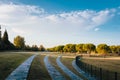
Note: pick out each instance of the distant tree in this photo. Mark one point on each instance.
(19, 42)
(34, 48)
(89, 47)
(118, 49)
(41, 48)
(5, 38)
(103, 48)
(69, 48)
(113, 49)
(79, 48)
(59, 48)
(50, 49)
(27, 47)
(5, 43)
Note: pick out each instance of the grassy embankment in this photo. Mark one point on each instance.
(10, 61)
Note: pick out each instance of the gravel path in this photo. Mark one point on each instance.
(55, 75)
(21, 72)
(82, 72)
(67, 71)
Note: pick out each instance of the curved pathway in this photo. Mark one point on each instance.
(82, 72)
(55, 75)
(67, 71)
(21, 72)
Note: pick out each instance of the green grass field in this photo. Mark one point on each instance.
(10, 61)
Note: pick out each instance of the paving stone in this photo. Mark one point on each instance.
(55, 74)
(67, 71)
(21, 72)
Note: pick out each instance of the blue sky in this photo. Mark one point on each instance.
(56, 22)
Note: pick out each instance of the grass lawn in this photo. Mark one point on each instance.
(38, 70)
(107, 64)
(10, 61)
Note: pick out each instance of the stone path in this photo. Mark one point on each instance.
(21, 72)
(67, 71)
(55, 75)
(82, 72)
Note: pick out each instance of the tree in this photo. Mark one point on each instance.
(103, 48)
(5, 38)
(41, 48)
(19, 42)
(118, 49)
(35, 48)
(59, 48)
(5, 43)
(79, 48)
(89, 47)
(70, 48)
(27, 47)
(113, 49)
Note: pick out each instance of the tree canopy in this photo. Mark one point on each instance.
(19, 42)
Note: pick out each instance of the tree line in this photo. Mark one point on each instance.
(5, 44)
(86, 48)
(19, 44)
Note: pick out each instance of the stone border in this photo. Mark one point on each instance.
(67, 71)
(21, 72)
(55, 74)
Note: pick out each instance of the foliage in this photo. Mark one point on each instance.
(34, 48)
(41, 48)
(59, 48)
(5, 37)
(69, 48)
(19, 42)
(5, 44)
(79, 48)
(103, 48)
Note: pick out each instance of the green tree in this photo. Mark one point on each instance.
(89, 47)
(118, 49)
(113, 49)
(79, 48)
(27, 47)
(41, 48)
(35, 48)
(59, 48)
(103, 48)
(5, 38)
(70, 48)
(19, 42)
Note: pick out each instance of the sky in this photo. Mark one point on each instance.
(60, 22)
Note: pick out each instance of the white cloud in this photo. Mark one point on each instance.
(96, 29)
(26, 19)
(33, 16)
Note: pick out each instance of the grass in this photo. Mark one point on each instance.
(68, 63)
(107, 64)
(10, 61)
(38, 70)
(52, 59)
